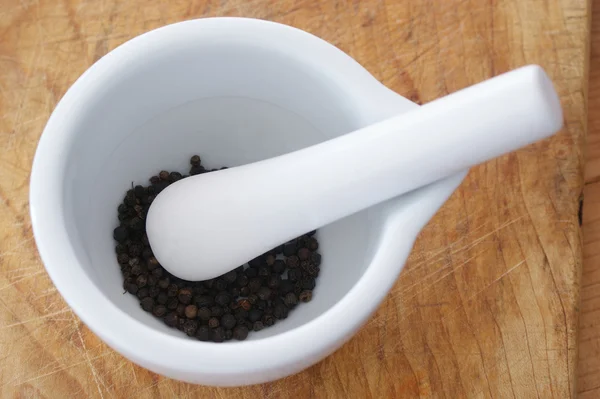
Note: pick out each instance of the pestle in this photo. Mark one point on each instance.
(206, 225)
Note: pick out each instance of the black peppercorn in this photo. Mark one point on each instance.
(222, 299)
(242, 280)
(171, 319)
(159, 310)
(292, 262)
(191, 311)
(234, 291)
(290, 300)
(241, 314)
(240, 333)
(270, 260)
(254, 315)
(263, 271)
(274, 282)
(164, 283)
(280, 311)
(315, 259)
(278, 266)
(254, 284)
(204, 301)
(153, 291)
(251, 272)
(185, 295)
(172, 290)
(228, 335)
(218, 334)
(294, 274)
(264, 293)
(220, 284)
(268, 320)
(190, 327)
(308, 283)
(228, 321)
(158, 272)
(147, 304)
(172, 303)
(303, 254)
(123, 259)
(162, 298)
(174, 176)
(132, 288)
(289, 249)
(204, 314)
(305, 296)
(286, 286)
(120, 234)
(230, 276)
(213, 322)
(141, 280)
(197, 170)
(195, 160)
(252, 298)
(216, 311)
(203, 333)
(258, 325)
(163, 175)
(180, 310)
(244, 291)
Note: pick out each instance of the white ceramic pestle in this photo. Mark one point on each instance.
(206, 225)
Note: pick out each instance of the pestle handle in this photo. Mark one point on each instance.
(206, 225)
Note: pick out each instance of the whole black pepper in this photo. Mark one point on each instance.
(228, 321)
(303, 253)
(254, 284)
(159, 310)
(240, 333)
(172, 303)
(147, 304)
(162, 298)
(230, 277)
(222, 299)
(258, 325)
(191, 311)
(264, 293)
(292, 262)
(305, 296)
(190, 327)
(204, 314)
(280, 311)
(294, 274)
(213, 322)
(278, 266)
(315, 259)
(185, 295)
(218, 334)
(217, 311)
(164, 283)
(242, 280)
(172, 290)
(254, 315)
(248, 298)
(290, 300)
(203, 333)
(171, 319)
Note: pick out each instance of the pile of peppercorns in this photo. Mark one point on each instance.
(252, 297)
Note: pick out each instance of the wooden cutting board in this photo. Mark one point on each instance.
(487, 305)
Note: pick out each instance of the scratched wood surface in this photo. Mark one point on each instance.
(487, 305)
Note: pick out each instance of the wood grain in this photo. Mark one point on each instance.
(588, 376)
(487, 305)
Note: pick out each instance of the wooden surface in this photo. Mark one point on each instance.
(487, 305)
(588, 381)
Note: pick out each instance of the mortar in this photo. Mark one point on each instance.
(234, 91)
